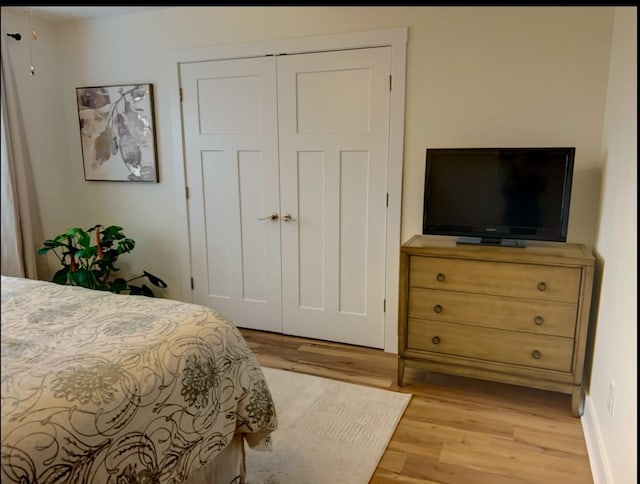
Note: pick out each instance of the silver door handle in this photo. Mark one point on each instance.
(287, 217)
(271, 216)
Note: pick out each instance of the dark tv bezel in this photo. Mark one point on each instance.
(547, 234)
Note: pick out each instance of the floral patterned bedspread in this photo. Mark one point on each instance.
(106, 388)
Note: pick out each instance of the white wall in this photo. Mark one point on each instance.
(616, 352)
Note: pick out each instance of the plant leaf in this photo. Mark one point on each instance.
(118, 285)
(51, 243)
(80, 277)
(84, 239)
(73, 231)
(126, 245)
(87, 253)
(156, 281)
(111, 231)
(61, 239)
(60, 277)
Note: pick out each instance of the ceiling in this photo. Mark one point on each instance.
(79, 13)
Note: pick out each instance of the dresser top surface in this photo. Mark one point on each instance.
(534, 251)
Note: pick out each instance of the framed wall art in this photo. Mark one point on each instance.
(117, 132)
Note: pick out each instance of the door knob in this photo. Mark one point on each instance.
(271, 216)
(287, 217)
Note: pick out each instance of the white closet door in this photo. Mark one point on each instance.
(230, 133)
(333, 116)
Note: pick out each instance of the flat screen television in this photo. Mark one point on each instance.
(498, 196)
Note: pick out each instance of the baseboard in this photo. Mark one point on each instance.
(598, 459)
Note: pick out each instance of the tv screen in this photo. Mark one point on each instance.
(498, 195)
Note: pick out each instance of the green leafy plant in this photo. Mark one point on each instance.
(93, 266)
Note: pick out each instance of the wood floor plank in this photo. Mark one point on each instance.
(432, 470)
(411, 441)
(495, 420)
(392, 461)
(455, 430)
(395, 478)
(514, 463)
(562, 439)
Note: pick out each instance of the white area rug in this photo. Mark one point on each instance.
(328, 431)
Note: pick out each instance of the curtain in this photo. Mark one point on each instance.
(22, 233)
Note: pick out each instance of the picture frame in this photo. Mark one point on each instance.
(117, 132)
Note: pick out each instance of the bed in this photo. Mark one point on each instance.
(106, 388)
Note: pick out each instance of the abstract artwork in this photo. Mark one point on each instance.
(117, 132)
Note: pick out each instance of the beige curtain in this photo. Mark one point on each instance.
(22, 232)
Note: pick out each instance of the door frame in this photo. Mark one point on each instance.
(396, 39)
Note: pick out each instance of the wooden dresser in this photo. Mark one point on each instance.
(514, 315)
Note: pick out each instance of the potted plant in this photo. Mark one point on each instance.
(93, 265)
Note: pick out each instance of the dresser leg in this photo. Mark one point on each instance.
(400, 371)
(577, 401)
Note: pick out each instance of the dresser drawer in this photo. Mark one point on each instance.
(530, 281)
(553, 318)
(527, 349)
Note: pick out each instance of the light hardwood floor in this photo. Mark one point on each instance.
(455, 430)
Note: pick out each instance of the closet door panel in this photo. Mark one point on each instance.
(333, 115)
(311, 290)
(230, 132)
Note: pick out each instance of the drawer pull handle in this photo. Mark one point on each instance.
(539, 320)
(536, 354)
(437, 308)
(435, 340)
(440, 276)
(542, 286)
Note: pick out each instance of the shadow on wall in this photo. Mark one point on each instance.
(585, 202)
(593, 318)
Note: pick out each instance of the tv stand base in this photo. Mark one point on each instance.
(490, 241)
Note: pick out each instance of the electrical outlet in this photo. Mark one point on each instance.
(612, 394)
